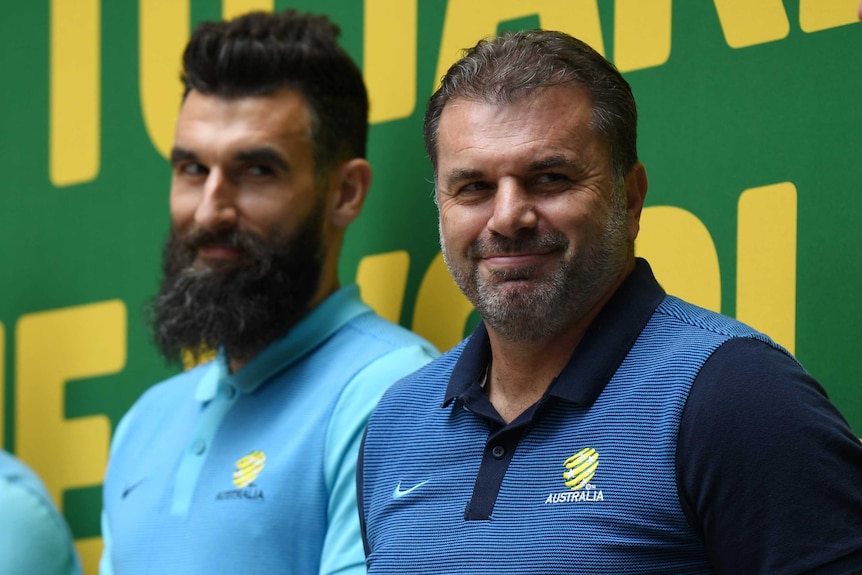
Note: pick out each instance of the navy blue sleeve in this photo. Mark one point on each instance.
(769, 472)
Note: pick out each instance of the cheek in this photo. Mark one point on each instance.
(275, 212)
(461, 225)
(448, 239)
(573, 218)
(182, 207)
(458, 233)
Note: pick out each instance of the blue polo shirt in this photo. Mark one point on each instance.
(674, 441)
(34, 539)
(254, 471)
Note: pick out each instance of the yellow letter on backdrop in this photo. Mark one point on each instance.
(52, 348)
(642, 32)
(383, 279)
(817, 15)
(441, 311)
(164, 31)
(233, 8)
(389, 58)
(75, 91)
(766, 261)
(682, 255)
(749, 22)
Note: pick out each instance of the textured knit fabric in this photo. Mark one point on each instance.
(34, 539)
(596, 478)
(254, 472)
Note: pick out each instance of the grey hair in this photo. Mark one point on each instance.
(509, 67)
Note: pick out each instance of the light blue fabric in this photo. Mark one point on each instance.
(254, 472)
(34, 539)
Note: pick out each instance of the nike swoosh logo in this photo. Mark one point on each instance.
(130, 487)
(398, 493)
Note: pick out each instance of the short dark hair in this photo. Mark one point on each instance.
(259, 53)
(506, 68)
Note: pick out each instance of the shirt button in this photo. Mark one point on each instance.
(230, 391)
(498, 452)
(199, 446)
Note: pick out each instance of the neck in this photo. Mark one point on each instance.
(234, 365)
(522, 371)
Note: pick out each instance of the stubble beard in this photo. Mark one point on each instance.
(240, 307)
(523, 307)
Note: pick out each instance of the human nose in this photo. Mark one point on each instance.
(513, 210)
(217, 207)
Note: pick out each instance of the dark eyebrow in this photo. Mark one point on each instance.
(263, 155)
(181, 155)
(556, 161)
(254, 155)
(461, 174)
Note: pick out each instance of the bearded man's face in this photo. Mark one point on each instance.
(244, 259)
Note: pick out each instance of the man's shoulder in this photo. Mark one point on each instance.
(691, 323)
(699, 318)
(372, 327)
(378, 354)
(428, 383)
(177, 386)
(13, 469)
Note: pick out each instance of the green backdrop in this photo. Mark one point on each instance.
(751, 131)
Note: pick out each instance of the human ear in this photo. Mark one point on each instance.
(636, 188)
(352, 180)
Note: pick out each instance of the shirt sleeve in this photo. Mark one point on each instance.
(33, 536)
(343, 552)
(106, 566)
(769, 472)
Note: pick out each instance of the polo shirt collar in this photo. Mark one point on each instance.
(323, 321)
(597, 357)
(468, 374)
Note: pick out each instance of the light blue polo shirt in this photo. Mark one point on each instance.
(254, 472)
(34, 539)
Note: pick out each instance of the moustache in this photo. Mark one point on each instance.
(183, 249)
(501, 245)
(233, 238)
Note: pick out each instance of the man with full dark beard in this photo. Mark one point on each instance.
(591, 424)
(246, 463)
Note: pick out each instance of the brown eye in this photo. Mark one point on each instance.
(550, 178)
(474, 187)
(193, 169)
(260, 171)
